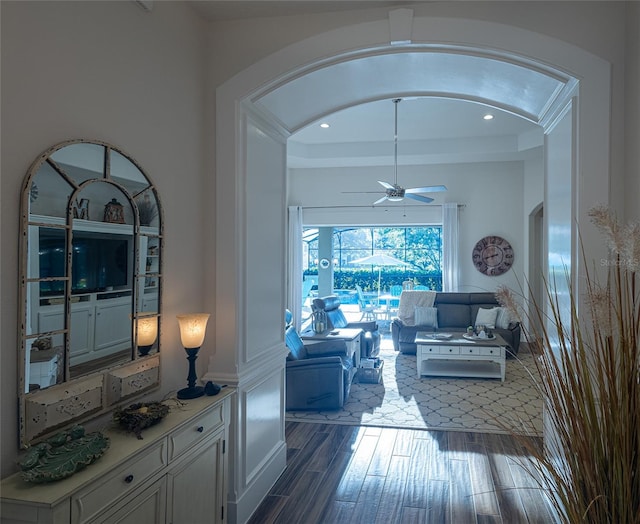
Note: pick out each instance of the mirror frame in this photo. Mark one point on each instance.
(77, 399)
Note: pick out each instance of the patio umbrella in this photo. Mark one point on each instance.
(380, 260)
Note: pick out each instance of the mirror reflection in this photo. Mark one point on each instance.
(91, 264)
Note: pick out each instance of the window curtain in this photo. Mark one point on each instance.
(294, 279)
(450, 247)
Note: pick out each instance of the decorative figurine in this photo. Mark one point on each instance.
(114, 212)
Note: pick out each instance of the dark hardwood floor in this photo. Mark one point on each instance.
(356, 474)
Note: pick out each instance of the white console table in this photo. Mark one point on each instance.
(177, 473)
(460, 357)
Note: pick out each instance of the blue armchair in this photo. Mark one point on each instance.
(318, 375)
(370, 343)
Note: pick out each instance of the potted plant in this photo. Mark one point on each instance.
(588, 373)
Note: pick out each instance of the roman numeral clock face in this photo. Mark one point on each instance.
(492, 256)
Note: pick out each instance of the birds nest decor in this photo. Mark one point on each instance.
(140, 416)
(588, 373)
(63, 455)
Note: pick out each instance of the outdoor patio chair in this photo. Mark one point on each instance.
(394, 304)
(369, 308)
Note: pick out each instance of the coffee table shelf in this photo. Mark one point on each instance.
(460, 357)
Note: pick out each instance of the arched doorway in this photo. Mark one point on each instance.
(259, 108)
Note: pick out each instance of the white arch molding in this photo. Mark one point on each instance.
(251, 186)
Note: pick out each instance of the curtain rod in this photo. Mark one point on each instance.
(377, 207)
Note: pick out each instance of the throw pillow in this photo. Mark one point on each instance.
(426, 316)
(487, 317)
(503, 319)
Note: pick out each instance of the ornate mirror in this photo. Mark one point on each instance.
(91, 283)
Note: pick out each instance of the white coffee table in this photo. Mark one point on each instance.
(457, 356)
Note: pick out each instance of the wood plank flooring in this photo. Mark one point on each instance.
(356, 474)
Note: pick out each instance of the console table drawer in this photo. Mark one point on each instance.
(195, 430)
(449, 350)
(495, 351)
(95, 499)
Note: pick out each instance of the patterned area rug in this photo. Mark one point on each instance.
(403, 400)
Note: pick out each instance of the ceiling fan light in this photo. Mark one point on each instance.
(395, 198)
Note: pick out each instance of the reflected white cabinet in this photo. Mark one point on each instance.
(177, 474)
(112, 325)
(100, 324)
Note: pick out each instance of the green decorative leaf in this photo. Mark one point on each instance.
(63, 455)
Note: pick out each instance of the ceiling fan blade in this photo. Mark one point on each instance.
(426, 189)
(386, 185)
(379, 201)
(419, 198)
(360, 192)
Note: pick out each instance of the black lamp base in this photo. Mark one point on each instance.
(191, 392)
(144, 350)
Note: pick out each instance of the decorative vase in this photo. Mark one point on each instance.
(319, 321)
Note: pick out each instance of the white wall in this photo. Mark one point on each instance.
(632, 114)
(108, 71)
(491, 195)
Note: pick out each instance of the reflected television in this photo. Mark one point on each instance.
(100, 262)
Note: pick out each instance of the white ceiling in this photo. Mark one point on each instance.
(445, 94)
(430, 131)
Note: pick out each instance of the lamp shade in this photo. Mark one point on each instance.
(147, 331)
(192, 329)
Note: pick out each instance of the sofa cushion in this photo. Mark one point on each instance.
(486, 317)
(426, 316)
(503, 319)
(451, 298)
(454, 316)
(410, 300)
(483, 299)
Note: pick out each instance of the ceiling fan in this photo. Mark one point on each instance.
(394, 192)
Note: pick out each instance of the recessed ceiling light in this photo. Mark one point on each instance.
(324, 125)
(488, 117)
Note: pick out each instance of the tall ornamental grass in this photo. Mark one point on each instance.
(588, 372)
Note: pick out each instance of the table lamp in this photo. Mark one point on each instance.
(146, 334)
(192, 330)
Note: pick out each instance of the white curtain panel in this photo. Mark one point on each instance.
(294, 280)
(450, 249)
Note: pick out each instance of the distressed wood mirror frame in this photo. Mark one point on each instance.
(91, 244)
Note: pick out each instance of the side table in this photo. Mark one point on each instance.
(350, 335)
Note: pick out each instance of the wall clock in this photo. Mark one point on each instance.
(492, 256)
